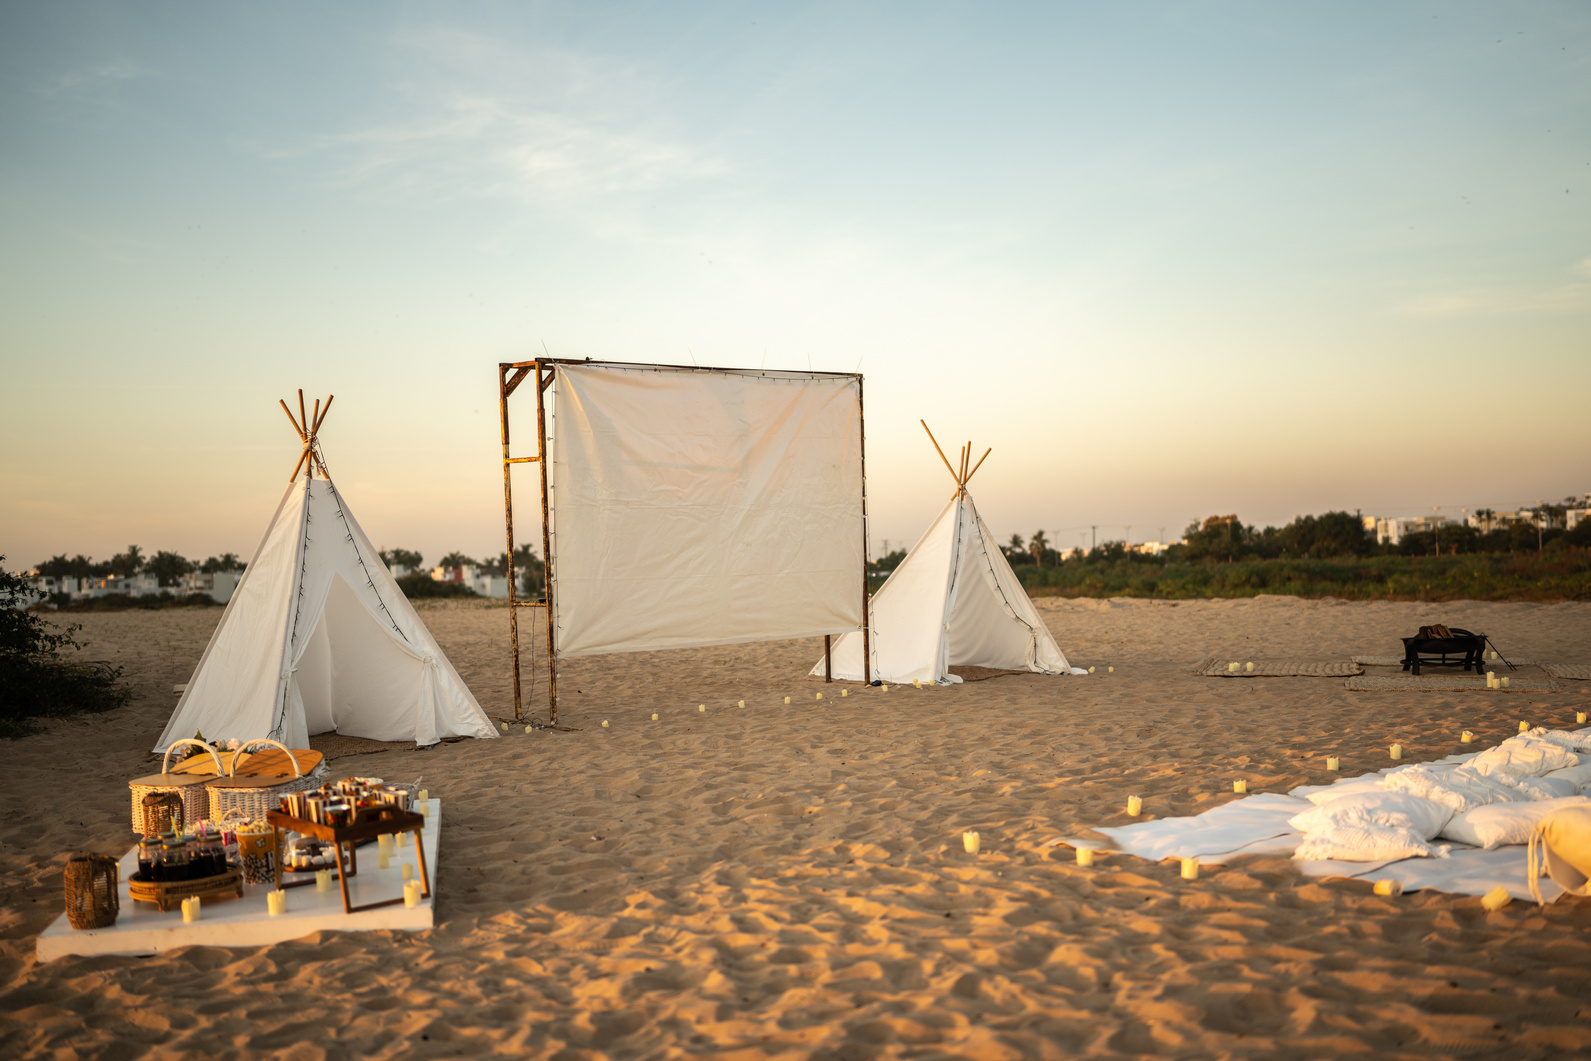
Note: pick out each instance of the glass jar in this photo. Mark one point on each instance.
(172, 865)
(209, 855)
(148, 855)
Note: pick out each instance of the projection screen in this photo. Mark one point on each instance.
(703, 506)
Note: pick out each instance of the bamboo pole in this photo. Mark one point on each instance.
(975, 467)
(296, 429)
(321, 418)
(939, 451)
(508, 525)
(546, 541)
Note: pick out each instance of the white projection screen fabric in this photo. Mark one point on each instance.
(703, 507)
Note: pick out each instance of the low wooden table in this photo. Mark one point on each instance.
(383, 821)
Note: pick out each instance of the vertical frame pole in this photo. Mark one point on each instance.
(828, 657)
(867, 647)
(508, 522)
(546, 540)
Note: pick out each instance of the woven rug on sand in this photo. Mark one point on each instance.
(1448, 683)
(1397, 661)
(1219, 667)
(337, 746)
(1580, 672)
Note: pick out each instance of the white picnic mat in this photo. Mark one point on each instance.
(1257, 825)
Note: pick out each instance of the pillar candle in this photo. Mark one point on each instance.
(190, 910)
(885, 688)
(971, 841)
(423, 795)
(654, 716)
(820, 696)
(604, 723)
(1091, 670)
(787, 699)
(1503, 681)
(1388, 886)
(1397, 751)
(411, 893)
(845, 692)
(1249, 667)
(276, 903)
(1466, 736)
(1333, 763)
(1496, 899)
(741, 704)
(1134, 805)
(1240, 786)
(1110, 670)
(323, 880)
(383, 858)
(1085, 856)
(1491, 676)
(425, 809)
(1524, 727)
(917, 683)
(1579, 716)
(528, 729)
(504, 725)
(408, 871)
(1190, 868)
(701, 707)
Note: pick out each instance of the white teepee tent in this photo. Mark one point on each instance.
(318, 637)
(953, 601)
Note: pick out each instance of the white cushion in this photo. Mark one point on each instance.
(1580, 775)
(1559, 787)
(1370, 826)
(1458, 788)
(1523, 756)
(1504, 823)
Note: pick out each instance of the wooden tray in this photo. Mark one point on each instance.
(166, 894)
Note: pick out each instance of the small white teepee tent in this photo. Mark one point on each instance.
(953, 601)
(318, 637)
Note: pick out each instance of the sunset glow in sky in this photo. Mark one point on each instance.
(1168, 260)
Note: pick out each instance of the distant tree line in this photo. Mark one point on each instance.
(1333, 535)
(167, 566)
(528, 570)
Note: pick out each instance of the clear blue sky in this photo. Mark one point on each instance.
(1168, 260)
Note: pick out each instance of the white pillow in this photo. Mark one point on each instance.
(1370, 826)
(1580, 775)
(1559, 787)
(1397, 810)
(1504, 823)
(1523, 756)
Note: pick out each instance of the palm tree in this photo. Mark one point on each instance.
(1036, 545)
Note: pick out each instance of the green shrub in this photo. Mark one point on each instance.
(35, 680)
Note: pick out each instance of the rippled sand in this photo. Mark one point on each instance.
(789, 880)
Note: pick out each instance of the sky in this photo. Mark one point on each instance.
(1168, 260)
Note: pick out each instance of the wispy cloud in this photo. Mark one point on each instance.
(1572, 296)
(88, 80)
(481, 119)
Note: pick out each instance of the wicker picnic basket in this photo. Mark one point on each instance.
(254, 796)
(91, 896)
(189, 787)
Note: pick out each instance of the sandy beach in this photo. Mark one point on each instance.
(789, 881)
